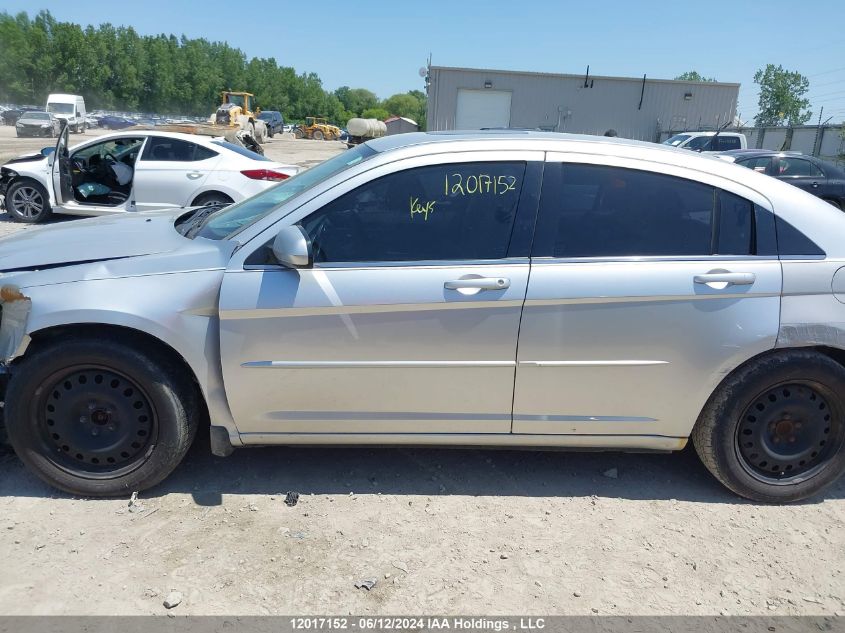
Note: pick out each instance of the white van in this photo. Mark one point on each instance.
(69, 108)
(704, 141)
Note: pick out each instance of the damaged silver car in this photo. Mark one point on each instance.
(510, 289)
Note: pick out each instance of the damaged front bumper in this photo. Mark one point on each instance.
(14, 311)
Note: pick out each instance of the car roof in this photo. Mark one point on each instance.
(762, 152)
(527, 140)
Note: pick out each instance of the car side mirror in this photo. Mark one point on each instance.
(292, 248)
(46, 151)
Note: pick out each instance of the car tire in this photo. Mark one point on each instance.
(27, 201)
(297, 133)
(97, 418)
(317, 135)
(211, 198)
(774, 430)
(270, 132)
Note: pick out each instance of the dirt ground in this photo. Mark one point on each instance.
(440, 531)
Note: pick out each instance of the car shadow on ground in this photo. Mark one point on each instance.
(425, 471)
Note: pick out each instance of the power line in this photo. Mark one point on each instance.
(827, 94)
(830, 83)
(827, 72)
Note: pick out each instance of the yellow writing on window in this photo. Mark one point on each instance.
(419, 208)
(458, 184)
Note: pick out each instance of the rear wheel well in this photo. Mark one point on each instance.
(128, 336)
(833, 353)
(202, 198)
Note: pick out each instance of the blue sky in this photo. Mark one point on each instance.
(382, 45)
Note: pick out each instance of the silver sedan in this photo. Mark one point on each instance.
(496, 289)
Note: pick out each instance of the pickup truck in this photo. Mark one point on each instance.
(708, 141)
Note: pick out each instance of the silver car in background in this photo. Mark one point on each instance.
(508, 289)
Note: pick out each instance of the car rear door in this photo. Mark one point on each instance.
(648, 285)
(407, 323)
(801, 173)
(171, 172)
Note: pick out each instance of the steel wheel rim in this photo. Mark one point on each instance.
(789, 433)
(27, 201)
(95, 422)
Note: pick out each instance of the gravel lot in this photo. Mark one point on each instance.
(441, 531)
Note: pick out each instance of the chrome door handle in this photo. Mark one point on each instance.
(193, 175)
(729, 279)
(479, 283)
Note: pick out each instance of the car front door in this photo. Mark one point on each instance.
(171, 172)
(646, 288)
(407, 322)
(60, 170)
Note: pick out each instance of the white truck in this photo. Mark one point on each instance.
(705, 141)
(69, 108)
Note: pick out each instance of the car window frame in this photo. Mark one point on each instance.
(345, 182)
(101, 140)
(723, 137)
(763, 213)
(152, 137)
(776, 168)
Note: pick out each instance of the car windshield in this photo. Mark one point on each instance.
(265, 115)
(676, 140)
(41, 116)
(233, 219)
(243, 151)
(60, 108)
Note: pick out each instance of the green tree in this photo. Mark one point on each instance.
(692, 75)
(114, 67)
(406, 105)
(375, 113)
(782, 99)
(356, 100)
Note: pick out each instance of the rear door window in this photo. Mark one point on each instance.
(789, 167)
(161, 148)
(611, 212)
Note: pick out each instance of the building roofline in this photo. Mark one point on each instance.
(571, 76)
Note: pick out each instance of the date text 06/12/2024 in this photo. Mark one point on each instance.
(417, 623)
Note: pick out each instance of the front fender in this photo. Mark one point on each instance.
(180, 310)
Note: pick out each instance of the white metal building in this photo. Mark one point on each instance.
(638, 108)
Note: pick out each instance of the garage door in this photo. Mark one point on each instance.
(483, 108)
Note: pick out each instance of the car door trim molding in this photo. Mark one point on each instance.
(583, 418)
(331, 364)
(707, 295)
(591, 363)
(458, 303)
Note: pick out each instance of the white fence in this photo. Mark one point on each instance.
(824, 141)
